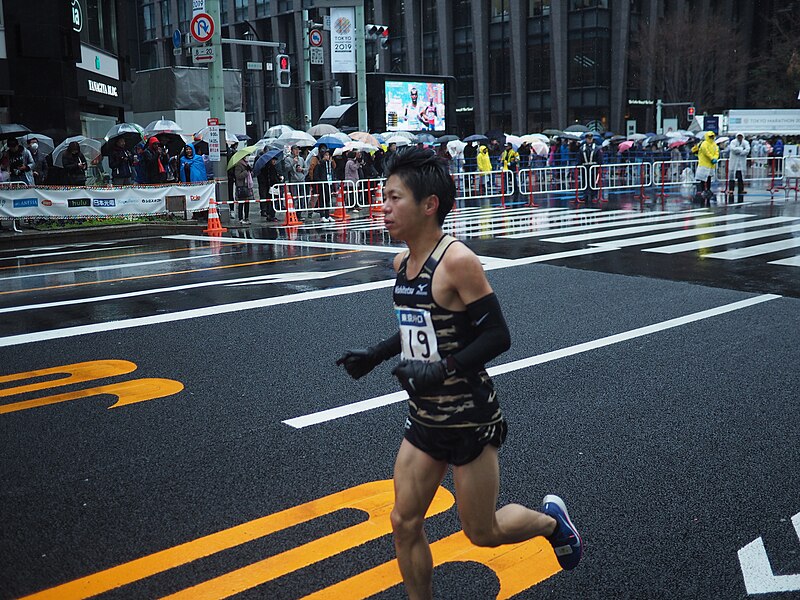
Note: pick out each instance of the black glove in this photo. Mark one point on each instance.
(417, 376)
(360, 361)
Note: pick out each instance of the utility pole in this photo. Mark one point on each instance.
(216, 98)
(659, 105)
(361, 67)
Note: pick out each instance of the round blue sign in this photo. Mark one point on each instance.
(176, 38)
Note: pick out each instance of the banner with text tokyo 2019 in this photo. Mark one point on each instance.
(343, 40)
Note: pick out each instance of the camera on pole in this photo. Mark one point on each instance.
(378, 32)
(284, 76)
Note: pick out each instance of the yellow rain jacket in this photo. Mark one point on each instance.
(708, 153)
(510, 159)
(484, 162)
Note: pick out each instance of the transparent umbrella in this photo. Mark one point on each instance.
(297, 138)
(162, 126)
(46, 144)
(130, 132)
(277, 131)
(89, 148)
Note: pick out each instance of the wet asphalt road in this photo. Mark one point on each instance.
(658, 398)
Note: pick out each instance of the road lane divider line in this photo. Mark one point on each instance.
(150, 276)
(516, 365)
(257, 279)
(93, 258)
(120, 266)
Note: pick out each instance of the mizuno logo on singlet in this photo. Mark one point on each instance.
(422, 288)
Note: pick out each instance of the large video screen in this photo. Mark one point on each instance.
(414, 106)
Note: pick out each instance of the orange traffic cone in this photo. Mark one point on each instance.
(376, 207)
(214, 225)
(291, 215)
(340, 214)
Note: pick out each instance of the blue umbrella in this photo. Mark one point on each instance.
(330, 141)
(264, 159)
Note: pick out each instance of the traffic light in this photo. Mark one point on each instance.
(690, 114)
(284, 77)
(378, 32)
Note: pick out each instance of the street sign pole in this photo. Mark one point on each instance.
(361, 68)
(216, 100)
(306, 74)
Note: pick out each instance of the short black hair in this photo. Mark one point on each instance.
(425, 174)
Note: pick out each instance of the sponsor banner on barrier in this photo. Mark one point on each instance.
(59, 203)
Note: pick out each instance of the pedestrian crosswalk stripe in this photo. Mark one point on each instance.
(756, 250)
(693, 232)
(681, 225)
(793, 261)
(728, 239)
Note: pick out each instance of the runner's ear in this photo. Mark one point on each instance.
(431, 204)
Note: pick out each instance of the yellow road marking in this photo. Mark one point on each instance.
(91, 258)
(258, 262)
(127, 392)
(75, 373)
(517, 566)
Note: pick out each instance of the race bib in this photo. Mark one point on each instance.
(417, 334)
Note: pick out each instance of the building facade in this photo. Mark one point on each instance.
(521, 65)
(63, 65)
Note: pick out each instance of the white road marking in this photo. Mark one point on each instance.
(258, 279)
(794, 261)
(727, 239)
(757, 571)
(364, 405)
(26, 256)
(624, 231)
(694, 232)
(119, 266)
(206, 311)
(756, 250)
(607, 224)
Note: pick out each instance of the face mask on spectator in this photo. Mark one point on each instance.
(34, 146)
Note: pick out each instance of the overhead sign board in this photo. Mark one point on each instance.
(203, 54)
(202, 27)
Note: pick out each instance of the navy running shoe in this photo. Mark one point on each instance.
(565, 539)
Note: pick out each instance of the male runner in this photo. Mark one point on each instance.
(451, 325)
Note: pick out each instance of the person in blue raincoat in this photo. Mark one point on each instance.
(192, 166)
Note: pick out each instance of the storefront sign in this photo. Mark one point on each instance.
(343, 40)
(102, 88)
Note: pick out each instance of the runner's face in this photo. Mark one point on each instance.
(402, 216)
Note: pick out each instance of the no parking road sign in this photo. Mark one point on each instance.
(202, 27)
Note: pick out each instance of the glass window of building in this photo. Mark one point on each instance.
(499, 10)
(590, 61)
(148, 21)
(462, 13)
(430, 37)
(538, 8)
(539, 64)
(184, 14)
(262, 8)
(166, 14)
(398, 59)
(100, 20)
(581, 4)
(499, 70)
(239, 10)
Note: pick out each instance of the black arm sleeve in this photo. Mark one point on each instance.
(388, 348)
(492, 337)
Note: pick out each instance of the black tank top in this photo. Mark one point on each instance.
(429, 332)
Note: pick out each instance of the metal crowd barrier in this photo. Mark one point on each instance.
(313, 196)
(551, 180)
(473, 189)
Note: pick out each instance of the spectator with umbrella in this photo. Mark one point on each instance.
(40, 147)
(20, 162)
(121, 162)
(156, 161)
(74, 164)
(266, 171)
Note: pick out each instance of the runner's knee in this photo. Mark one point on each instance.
(481, 536)
(406, 526)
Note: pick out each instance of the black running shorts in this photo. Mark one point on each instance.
(455, 445)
